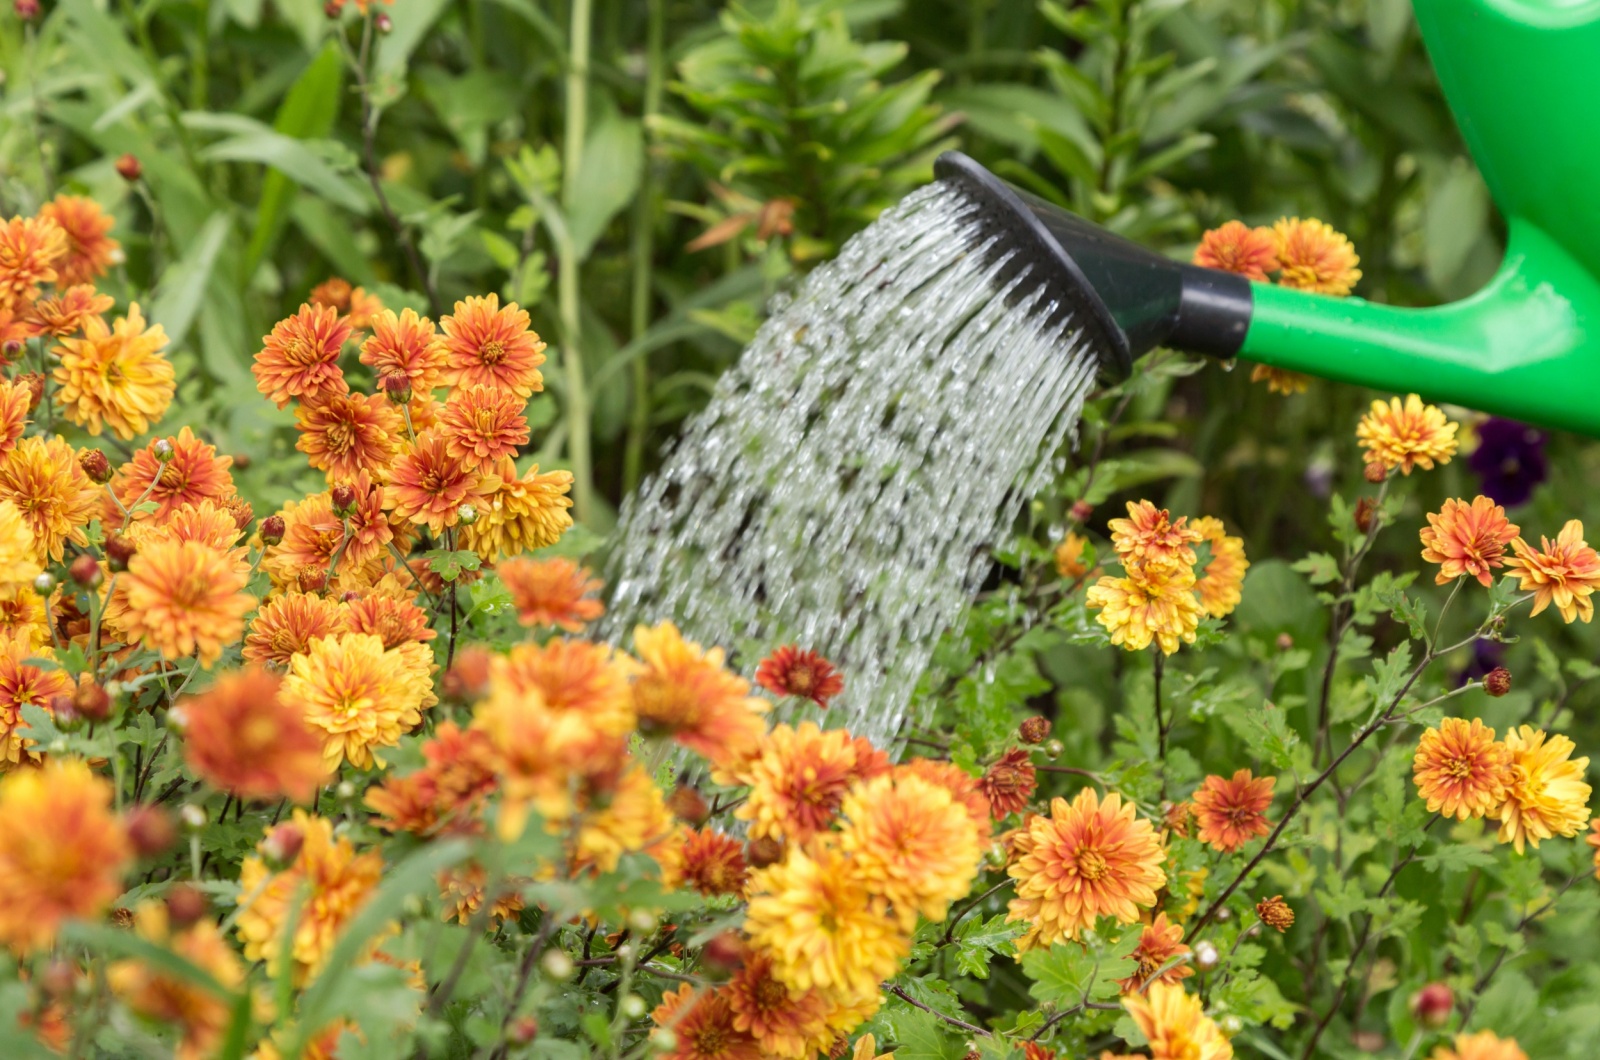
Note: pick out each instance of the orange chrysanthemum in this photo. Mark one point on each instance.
(359, 306)
(23, 683)
(1565, 572)
(480, 424)
(1160, 945)
(462, 892)
(359, 695)
(185, 598)
(684, 692)
(1280, 380)
(194, 473)
(369, 529)
(1312, 256)
(241, 737)
(1275, 913)
(1407, 435)
(460, 773)
(115, 377)
(1221, 585)
(624, 815)
(521, 514)
(493, 346)
(786, 1023)
(1150, 536)
(713, 863)
(154, 993)
(394, 620)
(1546, 796)
(311, 535)
(962, 786)
(286, 625)
(320, 892)
(406, 345)
(1467, 539)
(1236, 247)
(31, 248)
(911, 842)
(825, 927)
(300, 358)
(428, 486)
(69, 310)
(1155, 603)
(67, 862)
(22, 618)
(793, 671)
(1175, 1024)
(1086, 860)
(90, 249)
(702, 1026)
(19, 558)
(1484, 1045)
(15, 400)
(551, 592)
(1069, 557)
(799, 780)
(1009, 783)
(1231, 812)
(344, 434)
(42, 477)
(1461, 769)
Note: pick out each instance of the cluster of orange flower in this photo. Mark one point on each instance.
(1306, 254)
(1160, 598)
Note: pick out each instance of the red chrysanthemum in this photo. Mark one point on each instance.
(713, 863)
(793, 671)
(1010, 782)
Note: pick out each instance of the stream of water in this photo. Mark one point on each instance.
(845, 486)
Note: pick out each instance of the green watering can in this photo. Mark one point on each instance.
(1522, 78)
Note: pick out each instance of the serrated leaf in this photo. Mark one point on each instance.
(1319, 568)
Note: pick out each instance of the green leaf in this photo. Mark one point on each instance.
(295, 160)
(978, 941)
(921, 1036)
(1319, 568)
(182, 289)
(1456, 857)
(307, 112)
(449, 565)
(102, 939)
(605, 181)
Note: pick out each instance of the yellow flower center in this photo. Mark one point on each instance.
(492, 352)
(341, 437)
(1459, 767)
(1092, 865)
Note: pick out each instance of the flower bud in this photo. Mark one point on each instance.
(763, 852)
(687, 805)
(633, 1006)
(241, 461)
(311, 579)
(1055, 749)
(150, 831)
(1080, 511)
(119, 550)
(34, 381)
(333, 8)
(523, 1030)
(1497, 682)
(1230, 1024)
(192, 815)
(27, 10)
(162, 450)
(65, 714)
(724, 952)
(10, 349)
(468, 514)
(44, 584)
(1375, 472)
(1205, 954)
(663, 1040)
(1285, 642)
(85, 570)
(383, 22)
(396, 387)
(96, 465)
(557, 965)
(1035, 729)
(1365, 509)
(272, 530)
(92, 701)
(1431, 1006)
(343, 497)
(186, 906)
(59, 980)
(129, 169)
(282, 845)
(642, 921)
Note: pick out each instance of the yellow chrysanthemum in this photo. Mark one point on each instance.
(520, 514)
(800, 778)
(1280, 380)
(1086, 860)
(685, 693)
(19, 562)
(822, 923)
(321, 890)
(1546, 796)
(1176, 1025)
(358, 694)
(1313, 256)
(634, 816)
(1483, 1045)
(912, 842)
(1461, 769)
(1221, 584)
(43, 479)
(1158, 605)
(185, 598)
(115, 377)
(1406, 435)
(1565, 572)
(22, 617)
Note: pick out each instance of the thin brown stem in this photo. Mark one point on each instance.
(963, 1024)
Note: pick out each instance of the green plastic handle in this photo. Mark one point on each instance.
(1522, 78)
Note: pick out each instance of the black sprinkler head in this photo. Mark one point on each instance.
(1128, 298)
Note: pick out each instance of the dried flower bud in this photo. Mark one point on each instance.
(85, 570)
(186, 906)
(129, 169)
(1205, 954)
(1275, 913)
(1080, 511)
(119, 550)
(763, 852)
(333, 8)
(840, 1046)
(343, 497)
(272, 530)
(150, 830)
(241, 461)
(395, 387)
(1366, 508)
(523, 1030)
(349, 596)
(725, 952)
(96, 465)
(1376, 472)
(92, 701)
(282, 844)
(1431, 1006)
(1497, 682)
(687, 805)
(27, 10)
(468, 514)
(467, 680)
(311, 579)
(1035, 729)
(34, 381)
